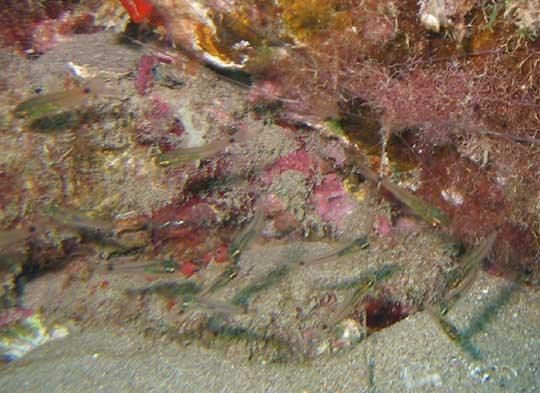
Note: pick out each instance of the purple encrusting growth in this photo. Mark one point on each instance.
(300, 161)
(144, 76)
(331, 200)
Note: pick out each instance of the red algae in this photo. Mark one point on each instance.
(144, 74)
(220, 255)
(172, 222)
(188, 269)
(158, 126)
(464, 131)
(39, 27)
(381, 313)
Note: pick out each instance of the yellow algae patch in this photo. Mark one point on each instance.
(306, 18)
(360, 195)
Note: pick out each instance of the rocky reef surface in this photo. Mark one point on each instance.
(286, 183)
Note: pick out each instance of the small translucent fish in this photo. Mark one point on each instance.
(189, 154)
(472, 260)
(447, 327)
(421, 208)
(114, 248)
(94, 230)
(458, 338)
(244, 297)
(77, 220)
(246, 236)
(211, 305)
(350, 302)
(463, 276)
(223, 279)
(357, 281)
(239, 244)
(282, 348)
(47, 104)
(363, 286)
(162, 267)
(359, 244)
(56, 122)
(170, 290)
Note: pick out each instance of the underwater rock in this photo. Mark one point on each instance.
(22, 336)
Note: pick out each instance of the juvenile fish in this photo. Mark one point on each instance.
(189, 154)
(239, 244)
(151, 267)
(210, 305)
(169, 290)
(223, 279)
(246, 236)
(61, 101)
(77, 220)
(448, 328)
(359, 244)
(472, 260)
(464, 275)
(421, 208)
(363, 286)
(243, 297)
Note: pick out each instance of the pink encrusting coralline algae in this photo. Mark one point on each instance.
(331, 200)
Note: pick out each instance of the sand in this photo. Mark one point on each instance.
(412, 355)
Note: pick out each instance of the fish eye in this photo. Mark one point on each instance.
(86, 90)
